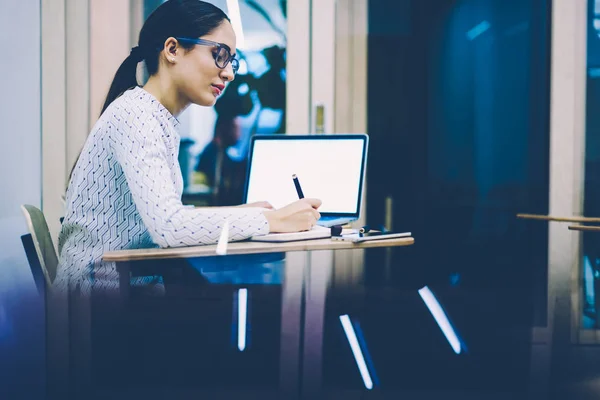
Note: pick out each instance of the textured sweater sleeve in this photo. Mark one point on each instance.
(143, 157)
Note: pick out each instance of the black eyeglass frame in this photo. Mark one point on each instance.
(235, 64)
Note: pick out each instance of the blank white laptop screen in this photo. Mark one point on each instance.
(327, 169)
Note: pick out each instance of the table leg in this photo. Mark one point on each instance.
(318, 279)
(80, 321)
(57, 343)
(291, 317)
(124, 269)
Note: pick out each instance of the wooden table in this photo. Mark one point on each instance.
(307, 275)
(248, 247)
(123, 257)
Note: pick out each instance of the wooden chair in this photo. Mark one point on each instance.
(34, 263)
(42, 243)
(43, 262)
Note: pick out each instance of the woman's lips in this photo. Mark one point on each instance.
(217, 89)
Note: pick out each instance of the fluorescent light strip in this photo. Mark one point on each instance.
(242, 313)
(478, 30)
(594, 72)
(440, 317)
(233, 9)
(358, 356)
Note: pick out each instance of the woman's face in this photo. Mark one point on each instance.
(195, 73)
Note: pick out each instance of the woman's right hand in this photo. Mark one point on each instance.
(298, 216)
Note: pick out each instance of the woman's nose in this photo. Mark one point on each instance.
(227, 73)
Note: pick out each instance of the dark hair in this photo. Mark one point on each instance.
(173, 18)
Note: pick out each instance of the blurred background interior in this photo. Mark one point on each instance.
(476, 110)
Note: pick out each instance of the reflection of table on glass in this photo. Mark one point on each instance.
(552, 218)
(584, 228)
(307, 273)
(588, 251)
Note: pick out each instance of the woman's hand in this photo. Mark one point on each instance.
(298, 216)
(260, 204)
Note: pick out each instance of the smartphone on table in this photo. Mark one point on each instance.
(371, 235)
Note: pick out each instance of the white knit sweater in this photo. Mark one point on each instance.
(125, 193)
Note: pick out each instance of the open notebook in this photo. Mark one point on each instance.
(317, 232)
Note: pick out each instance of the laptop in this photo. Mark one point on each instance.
(328, 167)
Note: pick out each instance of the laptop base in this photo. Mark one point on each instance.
(329, 222)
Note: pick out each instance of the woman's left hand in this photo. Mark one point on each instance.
(259, 204)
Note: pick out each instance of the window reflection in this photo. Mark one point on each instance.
(591, 244)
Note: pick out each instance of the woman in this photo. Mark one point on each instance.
(125, 190)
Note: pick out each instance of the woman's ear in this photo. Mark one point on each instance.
(170, 49)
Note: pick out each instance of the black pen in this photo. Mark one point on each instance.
(298, 188)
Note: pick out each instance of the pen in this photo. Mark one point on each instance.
(298, 188)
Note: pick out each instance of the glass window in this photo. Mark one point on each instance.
(458, 119)
(591, 258)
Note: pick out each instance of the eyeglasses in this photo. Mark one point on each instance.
(221, 54)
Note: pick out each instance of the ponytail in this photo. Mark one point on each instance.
(125, 77)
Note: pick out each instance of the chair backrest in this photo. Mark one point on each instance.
(42, 241)
(34, 263)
